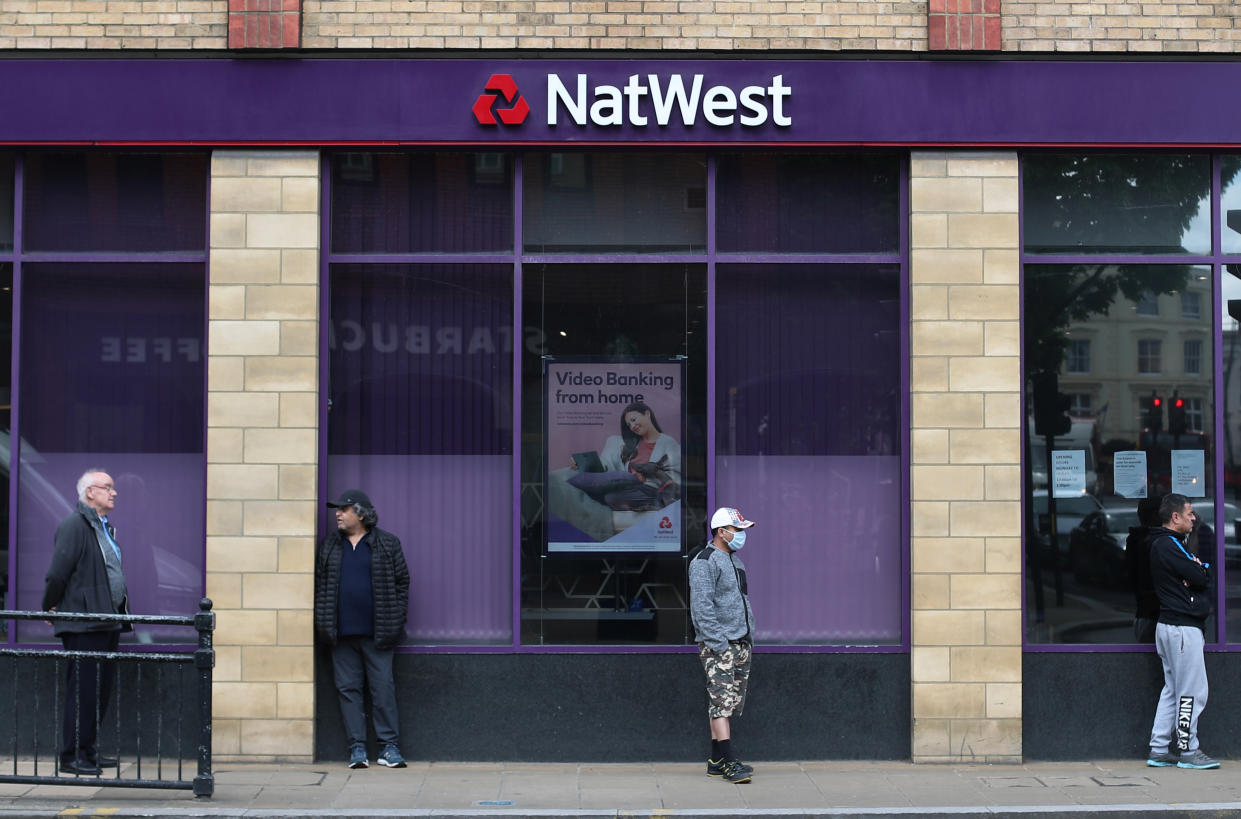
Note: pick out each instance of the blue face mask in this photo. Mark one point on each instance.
(738, 540)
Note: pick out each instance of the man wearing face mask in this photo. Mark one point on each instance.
(724, 624)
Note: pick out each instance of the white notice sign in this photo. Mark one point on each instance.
(1188, 474)
(1129, 474)
(1068, 473)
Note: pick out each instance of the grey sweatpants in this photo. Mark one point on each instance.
(1184, 692)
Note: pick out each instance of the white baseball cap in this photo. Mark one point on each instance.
(728, 516)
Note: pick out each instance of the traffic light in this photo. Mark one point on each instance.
(1176, 414)
(1051, 407)
(1154, 413)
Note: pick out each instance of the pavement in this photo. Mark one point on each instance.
(833, 788)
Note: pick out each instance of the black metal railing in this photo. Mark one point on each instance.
(148, 711)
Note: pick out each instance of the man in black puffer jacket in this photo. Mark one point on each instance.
(361, 597)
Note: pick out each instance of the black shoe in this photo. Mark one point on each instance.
(715, 767)
(730, 769)
(80, 767)
(106, 762)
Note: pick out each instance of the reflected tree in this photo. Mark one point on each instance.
(1127, 204)
(1104, 205)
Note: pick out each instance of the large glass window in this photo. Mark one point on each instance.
(1078, 580)
(1149, 428)
(114, 201)
(1116, 203)
(583, 202)
(801, 341)
(592, 572)
(620, 290)
(127, 350)
(421, 408)
(446, 202)
(816, 203)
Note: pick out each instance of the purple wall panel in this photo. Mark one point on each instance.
(158, 518)
(453, 514)
(824, 559)
(842, 101)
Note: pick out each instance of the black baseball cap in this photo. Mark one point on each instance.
(349, 497)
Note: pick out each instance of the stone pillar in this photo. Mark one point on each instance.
(965, 393)
(262, 449)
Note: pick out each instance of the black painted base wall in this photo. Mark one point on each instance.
(1093, 706)
(633, 708)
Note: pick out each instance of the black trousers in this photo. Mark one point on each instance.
(88, 686)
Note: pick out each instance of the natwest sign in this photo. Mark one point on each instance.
(665, 101)
(643, 100)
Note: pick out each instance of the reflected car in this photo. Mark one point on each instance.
(1069, 514)
(1097, 547)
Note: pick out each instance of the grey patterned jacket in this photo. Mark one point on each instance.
(718, 599)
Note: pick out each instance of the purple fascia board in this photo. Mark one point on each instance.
(842, 102)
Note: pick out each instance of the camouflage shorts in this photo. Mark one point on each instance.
(728, 674)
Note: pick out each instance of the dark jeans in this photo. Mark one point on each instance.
(88, 686)
(355, 662)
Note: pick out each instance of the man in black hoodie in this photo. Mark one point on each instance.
(1182, 581)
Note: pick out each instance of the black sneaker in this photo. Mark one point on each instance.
(729, 769)
(715, 767)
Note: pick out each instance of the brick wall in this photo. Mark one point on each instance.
(639, 25)
(616, 24)
(965, 482)
(113, 24)
(262, 449)
(1178, 27)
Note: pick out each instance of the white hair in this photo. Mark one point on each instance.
(84, 482)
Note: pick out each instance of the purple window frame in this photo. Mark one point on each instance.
(1216, 260)
(16, 256)
(517, 258)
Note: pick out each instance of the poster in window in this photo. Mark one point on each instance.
(614, 474)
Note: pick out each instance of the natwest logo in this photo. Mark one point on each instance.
(639, 101)
(485, 110)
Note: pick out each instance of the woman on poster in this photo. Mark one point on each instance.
(637, 471)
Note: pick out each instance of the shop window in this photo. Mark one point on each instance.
(1193, 357)
(127, 351)
(1093, 204)
(420, 417)
(605, 527)
(604, 202)
(6, 201)
(114, 201)
(613, 388)
(1230, 204)
(1077, 577)
(433, 202)
(798, 342)
(808, 203)
(1078, 358)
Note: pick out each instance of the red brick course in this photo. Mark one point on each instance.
(264, 23)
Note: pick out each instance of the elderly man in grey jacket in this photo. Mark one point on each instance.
(724, 624)
(86, 576)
